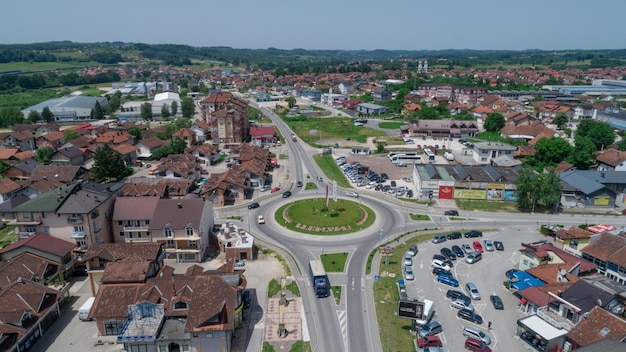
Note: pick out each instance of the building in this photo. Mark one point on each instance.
(371, 109)
(72, 108)
(228, 117)
(574, 239)
(485, 152)
(235, 243)
(611, 160)
(591, 188)
(263, 136)
(165, 99)
(441, 128)
(608, 252)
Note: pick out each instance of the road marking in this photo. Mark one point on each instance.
(362, 284)
(343, 324)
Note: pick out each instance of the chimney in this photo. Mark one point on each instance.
(180, 206)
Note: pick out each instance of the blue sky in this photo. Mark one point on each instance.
(323, 24)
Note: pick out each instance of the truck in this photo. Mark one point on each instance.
(293, 137)
(83, 311)
(319, 279)
(429, 312)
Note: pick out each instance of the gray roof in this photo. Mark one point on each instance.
(12, 203)
(585, 295)
(72, 102)
(476, 173)
(372, 106)
(589, 181)
(168, 213)
(70, 151)
(493, 146)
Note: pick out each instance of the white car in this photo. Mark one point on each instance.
(261, 219)
(439, 264)
(371, 185)
(460, 304)
(266, 188)
(352, 194)
(408, 273)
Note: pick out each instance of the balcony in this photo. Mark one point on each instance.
(137, 240)
(554, 319)
(136, 228)
(24, 235)
(73, 219)
(25, 221)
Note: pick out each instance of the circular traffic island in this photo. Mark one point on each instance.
(311, 216)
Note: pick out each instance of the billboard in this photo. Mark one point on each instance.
(470, 193)
(410, 309)
(445, 192)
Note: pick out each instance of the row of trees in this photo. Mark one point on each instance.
(187, 108)
(53, 80)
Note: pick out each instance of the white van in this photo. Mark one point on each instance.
(83, 311)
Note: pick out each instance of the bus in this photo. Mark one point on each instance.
(429, 154)
(406, 158)
(391, 155)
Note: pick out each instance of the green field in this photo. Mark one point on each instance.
(391, 125)
(315, 130)
(330, 169)
(42, 66)
(334, 262)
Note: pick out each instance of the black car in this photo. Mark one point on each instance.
(409, 193)
(458, 251)
(437, 271)
(469, 315)
(453, 235)
(253, 205)
(384, 176)
(448, 262)
(393, 184)
(499, 245)
(386, 188)
(287, 194)
(473, 233)
(299, 184)
(496, 301)
(439, 257)
(454, 294)
(451, 213)
(509, 272)
(378, 187)
(447, 252)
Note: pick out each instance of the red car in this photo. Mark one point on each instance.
(429, 341)
(275, 189)
(477, 246)
(476, 345)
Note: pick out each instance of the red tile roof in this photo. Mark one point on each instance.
(43, 242)
(589, 330)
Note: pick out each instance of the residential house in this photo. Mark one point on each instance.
(528, 132)
(411, 109)
(28, 310)
(145, 147)
(484, 152)
(202, 131)
(518, 118)
(113, 138)
(611, 160)
(50, 140)
(8, 189)
(128, 152)
(604, 345)
(19, 140)
(143, 188)
(7, 207)
(254, 162)
(225, 188)
(235, 243)
(178, 166)
(381, 95)
(593, 189)
(37, 129)
(48, 258)
(207, 154)
(598, 325)
(542, 253)
(574, 239)
(346, 88)
(68, 156)
(608, 252)
(186, 134)
(78, 212)
(183, 225)
(441, 128)
(131, 219)
(8, 155)
(263, 136)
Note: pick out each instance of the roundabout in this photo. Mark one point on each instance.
(311, 216)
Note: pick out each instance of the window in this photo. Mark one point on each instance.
(185, 347)
(189, 231)
(192, 244)
(112, 327)
(46, 229)
(147, 222)
(162, 348)
(573, 243)
(44, 214)
(27, 215)
(168, 232)
(121, 233)
(79, 228)
(171, 244)
(130, 234)
(120, 223)
(180, 305)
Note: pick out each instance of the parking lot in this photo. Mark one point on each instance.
(487, 274)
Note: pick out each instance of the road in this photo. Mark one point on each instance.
(354, 321)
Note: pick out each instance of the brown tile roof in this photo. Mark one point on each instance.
(535, 295)
(605, 246)
(589, 329)
(124, 148)
(177, 213)
(125, 272)
(619, 257)
(25, 155)
(27, 266)
(7, 153)
(42, 242)
(153, 142)
(58, 173)
(41, 185)
(562, 166)
(53, 136)
(612, 157)
(114, 138)
(8, 185)
(574, 232)
(134, 208)
(112, 300)
(219, 97)
(203, 125)
(548, 272)
(117, 251)
(22, 136)
(143, 189)
(184, 132)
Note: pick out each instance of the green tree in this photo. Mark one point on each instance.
(34, 116)
(560, 120)
(44, 154)
(10, 116)
(622, 144)
(3, 166)
(136, 132)
(551, 151)
(582, 154)
(97, 112)
(146, 111)
(109, 165)
(174, 108)
(494, 122)
(600, 133)
(177, 146)
(533, 189)
(47, 115)
(187, 107)
(523, 187)
(165, 111)
(69, 135)
(428, 113)
(115, 102)
(442, 109)
(550, 190)
(291, 102)
(380, 148)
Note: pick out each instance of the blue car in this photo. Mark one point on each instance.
(448, 280)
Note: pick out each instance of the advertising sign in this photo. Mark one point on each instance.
(410, 309)
(470, 194)
(601, 200)
(446, 192)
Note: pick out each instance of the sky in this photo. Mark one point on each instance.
(323, 24)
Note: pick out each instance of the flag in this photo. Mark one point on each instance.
(335, 191)
(327, 195)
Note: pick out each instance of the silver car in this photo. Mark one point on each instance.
(489, 246)
(408, 259)
(408, 273)
(460, 304)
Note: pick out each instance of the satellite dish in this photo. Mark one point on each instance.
(599, 302)
(562, 272)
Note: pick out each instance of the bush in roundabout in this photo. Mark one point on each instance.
(311, 216)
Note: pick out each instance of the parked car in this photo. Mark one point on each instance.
(239, 263)
(253, 205)
(408, 273)
(457, 251)
(413, 250)
(476, 333)
(299, 184)
(470, 316)
(448, 280)
(461, 303)
(437, 271)
(477, 246)
(352, 194)
(488, 245)
(473, 257)
(447, 252)
(408, 259)
(510, 272)
(266, 188)
(439, 239)
(451, 213)
(319, 179)
(472, 291)
(476, 345)
(467, 248)
(287, 194)
(453, 235)
(275, 189)
(499, 245)
(473, 233)
(409, 193)
(393, 183)
(429, 341)
(439, 257)
(454, 294)
(496, 301)
(432, 328)
(440, 264)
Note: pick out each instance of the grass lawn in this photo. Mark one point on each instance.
(334, 262)
(298, 346)
(274, 287)
(329, 167)
(482, 205)
(391, 125)
(419, 217)
(252, 112)
(336, 290)
(8, 235)
(310, 185)
(312, 212)
(34, 66)
(330, 128)
(490, 136)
